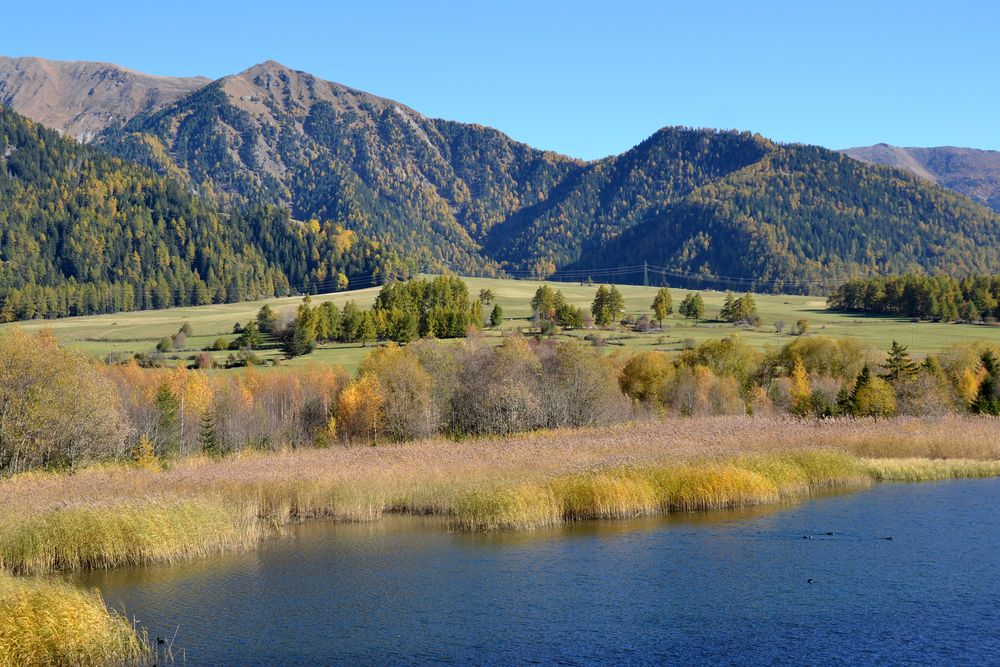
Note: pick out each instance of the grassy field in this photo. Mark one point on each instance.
(128, 333)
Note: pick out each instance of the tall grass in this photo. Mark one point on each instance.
(118, 534)
(924, 470)
(112, 516)
(52, 623)
(629, 492)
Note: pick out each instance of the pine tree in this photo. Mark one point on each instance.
(366, 330)
(208, 440)
(408, 328)
(302, 337)
(600, 308)
(726, 313)
(693, 306)
(987, 400)
(898, 364)
(616, 304)
(496, 316)
(266, 320)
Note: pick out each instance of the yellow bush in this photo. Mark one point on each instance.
(359, 410)
(646, 376)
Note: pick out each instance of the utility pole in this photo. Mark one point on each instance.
(645, 273)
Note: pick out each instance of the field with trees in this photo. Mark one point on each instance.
(125, 334)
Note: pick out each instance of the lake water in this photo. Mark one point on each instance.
(730, 588)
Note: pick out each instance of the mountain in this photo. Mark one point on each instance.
(432, 194)
(432, 188)
(804, 218)
(83, 232)
(973, 172)
(82, 99)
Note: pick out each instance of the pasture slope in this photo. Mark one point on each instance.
(127, 333)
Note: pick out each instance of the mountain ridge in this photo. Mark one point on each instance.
(84, 98)
(970, 171)
(444, 195)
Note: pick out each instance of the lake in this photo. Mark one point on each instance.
(723, 587)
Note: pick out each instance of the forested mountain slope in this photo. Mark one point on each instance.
(803, 217)
(82, 99)
(468, 198)
(84, 232)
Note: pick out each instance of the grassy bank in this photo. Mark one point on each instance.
(113, 516)
(50, 623)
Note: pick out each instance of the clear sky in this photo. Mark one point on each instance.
(584, 78)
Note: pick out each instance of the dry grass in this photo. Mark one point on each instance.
(52, 623)
(116, 534)
(922, 470)
(109, 516)
(629, 492)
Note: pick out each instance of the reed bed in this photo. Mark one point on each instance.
(630, 492)
(117, 534)
(52, 623)
(925, 470)
(109, 516)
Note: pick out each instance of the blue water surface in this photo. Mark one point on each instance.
(711, 588)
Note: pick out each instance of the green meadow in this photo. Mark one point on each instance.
(130, 333)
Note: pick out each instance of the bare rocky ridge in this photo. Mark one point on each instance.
(82, 99)
(972, 172)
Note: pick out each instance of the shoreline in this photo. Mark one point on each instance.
(119, 516)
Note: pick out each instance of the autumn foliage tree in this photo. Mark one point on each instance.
(56, 409)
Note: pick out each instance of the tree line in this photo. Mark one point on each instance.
(975, 298)
(59, 408)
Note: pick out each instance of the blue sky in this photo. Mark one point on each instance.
(585, 78)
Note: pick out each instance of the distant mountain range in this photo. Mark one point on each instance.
(721, 208)
(973, 172)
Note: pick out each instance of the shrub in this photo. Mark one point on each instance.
(840, 358)
(498, 390)
(408, 407)
(646, 377)
(359, 411)
(580, 388)
(55, 408)
(727, 357)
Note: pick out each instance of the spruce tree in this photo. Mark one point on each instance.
(208, 440)
(168, 421)
(898, 364)
(987, 401)
(496, 316)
